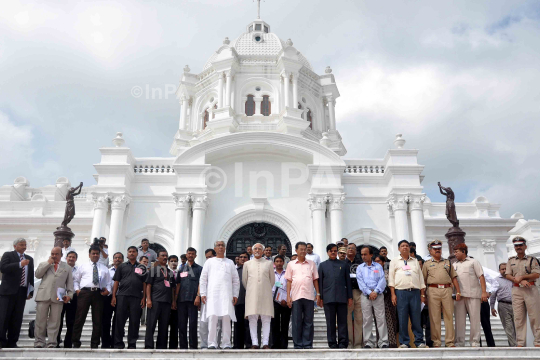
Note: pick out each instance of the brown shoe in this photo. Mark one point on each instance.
(266, 347)
(255, 347)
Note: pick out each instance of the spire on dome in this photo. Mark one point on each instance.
(258, 9)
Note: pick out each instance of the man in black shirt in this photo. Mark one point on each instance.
(355, 326)
(241, 326)
(128, 298)
(159, 296)
(173, 319)
(336, 294)
(187, 284)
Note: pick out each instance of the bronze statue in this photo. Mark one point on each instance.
(70, 205)
(450, 205)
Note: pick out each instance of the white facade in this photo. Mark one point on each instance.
(283, 165)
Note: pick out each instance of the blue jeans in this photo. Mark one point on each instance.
(408, 305)
(302, 324)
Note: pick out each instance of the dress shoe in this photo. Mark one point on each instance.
(50, 346)
(266, 347)
(384, 347)
(255, 347)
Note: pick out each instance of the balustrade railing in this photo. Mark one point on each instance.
(153, 169)
(364, 169)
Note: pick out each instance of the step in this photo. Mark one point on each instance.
(386, 354)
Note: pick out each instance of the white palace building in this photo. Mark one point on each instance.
(257, 157)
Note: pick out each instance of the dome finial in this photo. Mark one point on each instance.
(289, 42)
(258, 9)
(226, 41)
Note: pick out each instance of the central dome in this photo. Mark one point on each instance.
(258, 46)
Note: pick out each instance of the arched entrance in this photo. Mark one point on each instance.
(264, 233)
(374, 249)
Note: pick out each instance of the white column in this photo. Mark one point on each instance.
(392, 228)
(258, 102)
(183, 114)
(200, 203)
(228, 89)
(286, 85)
(220, 90)
(317, 205)
(295, 90)
(118, 207)
(336, 217)
(331, 112)
(416, 208)
(399, 205)
(101, 205)
(181, 227)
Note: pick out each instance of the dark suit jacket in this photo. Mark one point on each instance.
(11, 272)
(242, 294)
(335, 281)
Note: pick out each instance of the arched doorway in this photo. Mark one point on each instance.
(266, 234)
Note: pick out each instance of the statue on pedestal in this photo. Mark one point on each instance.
(63, 232)
(450, 205)
(454, 235)
(70, 205)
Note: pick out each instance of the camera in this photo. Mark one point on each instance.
(98, 242)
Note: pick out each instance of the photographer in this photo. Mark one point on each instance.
(103, 250)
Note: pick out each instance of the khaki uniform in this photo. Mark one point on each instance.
(468, 273)
(525, 299)
(440, 299)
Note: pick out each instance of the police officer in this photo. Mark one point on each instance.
(439, 276)
(523, 271)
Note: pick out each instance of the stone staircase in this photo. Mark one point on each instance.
(320, 341)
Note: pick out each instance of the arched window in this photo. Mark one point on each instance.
(309, 118)
(206, 118)
(250, 106)
(266, 106)
(213, 113)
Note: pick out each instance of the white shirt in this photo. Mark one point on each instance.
(315, 258)
(491, 284)
(102, 260)
(219, 282)
(84, 276)
(112, 271)
(65, 252)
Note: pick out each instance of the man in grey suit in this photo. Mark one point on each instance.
(55, 274)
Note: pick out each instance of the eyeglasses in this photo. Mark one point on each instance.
(242, 257)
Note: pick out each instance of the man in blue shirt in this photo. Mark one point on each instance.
(371, 281)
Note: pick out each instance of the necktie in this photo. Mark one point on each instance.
(95, 278)
(55, 267)
(23, 276)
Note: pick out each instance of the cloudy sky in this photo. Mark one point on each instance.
(459, 79)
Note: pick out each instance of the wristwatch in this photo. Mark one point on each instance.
(318, 294)
(458, 294)
(423, 295)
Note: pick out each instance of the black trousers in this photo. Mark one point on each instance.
(68, 312)
(280, 326)
(485, 313)
(331, 311)
(302, 323)
(158, 314)
(173, 329)
(87, 298)
(424, 318)
(242, 338)
(187, 312)
(11, 316)
(109, 314)
(127, 307)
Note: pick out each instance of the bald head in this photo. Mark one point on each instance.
(56, 254)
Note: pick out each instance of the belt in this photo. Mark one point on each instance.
(531, 283)
(91, 288)
(411, 289)
(505, 302)
(440, 286)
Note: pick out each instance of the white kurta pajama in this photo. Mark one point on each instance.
(219, 282)
(258, 278)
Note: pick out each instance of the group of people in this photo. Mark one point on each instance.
(369, 301)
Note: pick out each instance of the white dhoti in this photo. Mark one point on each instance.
(265, 319)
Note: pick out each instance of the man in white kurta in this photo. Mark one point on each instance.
(258, 278)
(219, 286)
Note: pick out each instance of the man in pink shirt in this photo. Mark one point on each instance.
(301, 277)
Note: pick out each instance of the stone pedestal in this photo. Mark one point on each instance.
(455, 236)
(62, 233)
